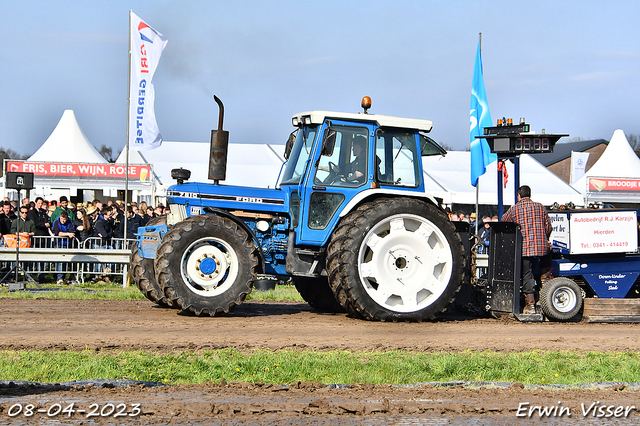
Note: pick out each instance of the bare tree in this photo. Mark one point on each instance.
(9, 154)
(107, 153)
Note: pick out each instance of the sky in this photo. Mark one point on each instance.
(565, 66)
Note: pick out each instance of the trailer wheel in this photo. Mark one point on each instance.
(206, 265)
(143, 273)
(560, 299)
(317, 293)
(395, 259)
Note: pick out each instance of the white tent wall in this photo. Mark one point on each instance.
(448, 177)
(256, 165)
(445, 177)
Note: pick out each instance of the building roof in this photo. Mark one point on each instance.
(563, 150)
(68, 144)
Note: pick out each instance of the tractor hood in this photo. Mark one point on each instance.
(228, 197)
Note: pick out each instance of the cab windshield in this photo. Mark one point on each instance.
(300, 153)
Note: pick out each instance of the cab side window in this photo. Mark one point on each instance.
(347, 164)
(396, 158)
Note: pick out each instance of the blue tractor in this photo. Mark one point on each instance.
(349, 223)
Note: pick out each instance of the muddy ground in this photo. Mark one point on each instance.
(125, 325)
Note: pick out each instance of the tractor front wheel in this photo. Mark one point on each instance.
(206, 265)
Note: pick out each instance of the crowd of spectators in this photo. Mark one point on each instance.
(60, 218)
(60, 223)
(483, 225)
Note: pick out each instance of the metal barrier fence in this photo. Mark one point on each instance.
(68, 258)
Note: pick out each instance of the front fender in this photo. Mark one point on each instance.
(243, 225)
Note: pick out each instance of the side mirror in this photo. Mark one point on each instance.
(289, 145)
(328, 142)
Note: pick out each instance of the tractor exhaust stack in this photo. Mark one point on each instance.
(219, 146)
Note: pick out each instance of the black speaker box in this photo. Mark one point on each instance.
(17, 180)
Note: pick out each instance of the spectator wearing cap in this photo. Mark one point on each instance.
(63, 207)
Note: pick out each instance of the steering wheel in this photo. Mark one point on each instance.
(333, 168)
(334, 174)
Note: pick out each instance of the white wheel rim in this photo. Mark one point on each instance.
(405, 263)
(564, 299)
(209, 267)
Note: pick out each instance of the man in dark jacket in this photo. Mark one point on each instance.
(133, 223)
(6, 217)
(40, 219)
(101, 226)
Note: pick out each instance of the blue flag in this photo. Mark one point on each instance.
(480, 118)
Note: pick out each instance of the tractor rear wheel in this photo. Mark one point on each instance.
(143, 273)
(395, 259)
(317, 293)
(206, 265)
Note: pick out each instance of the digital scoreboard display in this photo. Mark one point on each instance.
(517, 139)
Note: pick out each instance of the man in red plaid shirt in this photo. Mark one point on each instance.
(535, 227)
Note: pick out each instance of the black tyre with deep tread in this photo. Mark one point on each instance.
(143, 273)
(561, 299)
(421, 228)
(183, 265)
(317, 293)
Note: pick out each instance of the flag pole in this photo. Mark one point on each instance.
(478, 183)
(126, 171)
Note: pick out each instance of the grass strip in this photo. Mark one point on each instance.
(107, 291)
(284, 367)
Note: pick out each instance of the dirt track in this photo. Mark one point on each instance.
(118, 325)
(113, 324)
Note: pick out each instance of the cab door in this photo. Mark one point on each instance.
(338, 171)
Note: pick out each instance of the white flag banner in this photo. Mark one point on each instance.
(146, 47)
(578, 165)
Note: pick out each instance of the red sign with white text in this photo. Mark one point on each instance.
(79, 170)
(613, 184)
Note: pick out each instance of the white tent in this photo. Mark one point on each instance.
(67, 144)
(618, 161)
(255, 165)
(448, 177)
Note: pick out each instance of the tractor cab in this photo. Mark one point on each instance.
(337, 160)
